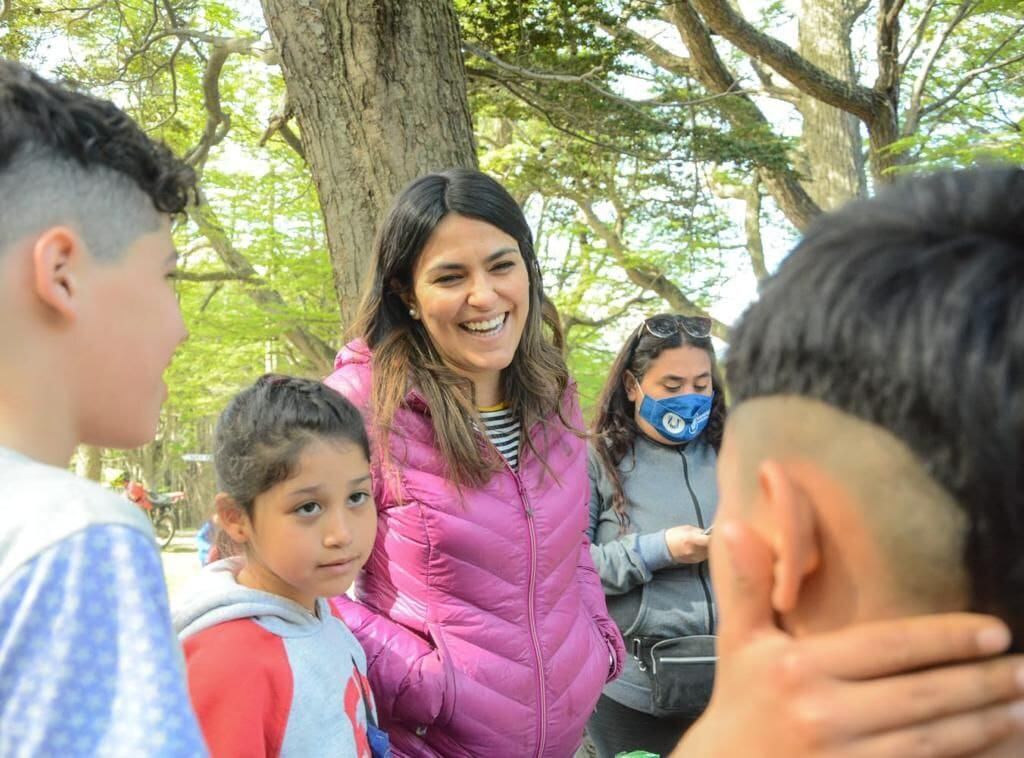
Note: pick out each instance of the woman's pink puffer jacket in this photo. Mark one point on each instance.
(482, 616)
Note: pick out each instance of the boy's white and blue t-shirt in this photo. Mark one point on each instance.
(89, 663)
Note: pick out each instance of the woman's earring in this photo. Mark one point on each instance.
(412, 313)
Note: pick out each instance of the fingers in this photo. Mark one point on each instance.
(741, 566)
(891, 647)
(996, 730)
(927, 696)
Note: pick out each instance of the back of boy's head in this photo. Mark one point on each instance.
(906, 311)
(260, 436)
(71, 159)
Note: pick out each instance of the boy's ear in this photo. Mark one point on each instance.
(232, 518)
(56, 260)
(790, 521)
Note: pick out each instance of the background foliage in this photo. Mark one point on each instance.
(663, 152)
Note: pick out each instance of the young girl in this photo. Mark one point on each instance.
(271, 671)
(653, 498)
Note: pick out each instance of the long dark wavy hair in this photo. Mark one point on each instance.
(615, 428)
(404, 355)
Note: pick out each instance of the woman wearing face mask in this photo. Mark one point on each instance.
(480, 612)
(653, 498)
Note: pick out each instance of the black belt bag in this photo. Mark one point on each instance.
(681, 670)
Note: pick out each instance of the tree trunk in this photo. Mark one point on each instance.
(379, 92)
(89, 463)
(831, 137)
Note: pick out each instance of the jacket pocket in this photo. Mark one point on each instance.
(639, 616)
(448, 703)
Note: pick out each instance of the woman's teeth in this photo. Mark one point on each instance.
(481, 327)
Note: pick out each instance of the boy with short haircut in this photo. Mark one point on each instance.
(89, 320)
(875, 441)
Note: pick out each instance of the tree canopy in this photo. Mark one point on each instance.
(665, 150)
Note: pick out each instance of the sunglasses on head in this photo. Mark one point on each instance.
(663, 327)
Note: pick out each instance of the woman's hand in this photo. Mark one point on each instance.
(862, 691)
(687, 544)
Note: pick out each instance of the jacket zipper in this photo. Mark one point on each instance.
(702, 567)
(532, 612)
(542, 723)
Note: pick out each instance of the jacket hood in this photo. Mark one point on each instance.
(355, 352)
(215, 596)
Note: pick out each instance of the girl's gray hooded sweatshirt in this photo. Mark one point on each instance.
(266, 675)
(648, 594)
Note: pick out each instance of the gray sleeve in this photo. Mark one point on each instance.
(619, 562)
(653, 549)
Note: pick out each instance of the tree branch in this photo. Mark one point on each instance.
(315, 350)
(6, 6)
(279, 124)
(520, 93)
(752, 226)
(669, 61)
(596, 323)
(293, 140)
(971, 76)
(518, 74)
(917, 34)
(209, 296)
(887, 55)
(750, 194)
(645, 276)
(913, 113)
(218, 123)
(808, 78)
(875, 107)
(740, 111)
(213, 276)
(525, 73)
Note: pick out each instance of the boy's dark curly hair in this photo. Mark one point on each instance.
(46, 119)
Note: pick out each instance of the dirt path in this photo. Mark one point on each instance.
(181, 561)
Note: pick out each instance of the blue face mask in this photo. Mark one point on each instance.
(679, 418)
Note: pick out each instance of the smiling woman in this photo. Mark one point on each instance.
(471, 291)
(480, 590)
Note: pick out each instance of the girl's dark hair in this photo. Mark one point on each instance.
(263, 431)
(403, 353)
(615, 428)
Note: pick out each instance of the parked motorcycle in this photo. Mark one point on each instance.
(164, 515)
(162, 508)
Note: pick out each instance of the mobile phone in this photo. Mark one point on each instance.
(708, 530)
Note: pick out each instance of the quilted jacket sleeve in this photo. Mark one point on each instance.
(410, 680)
